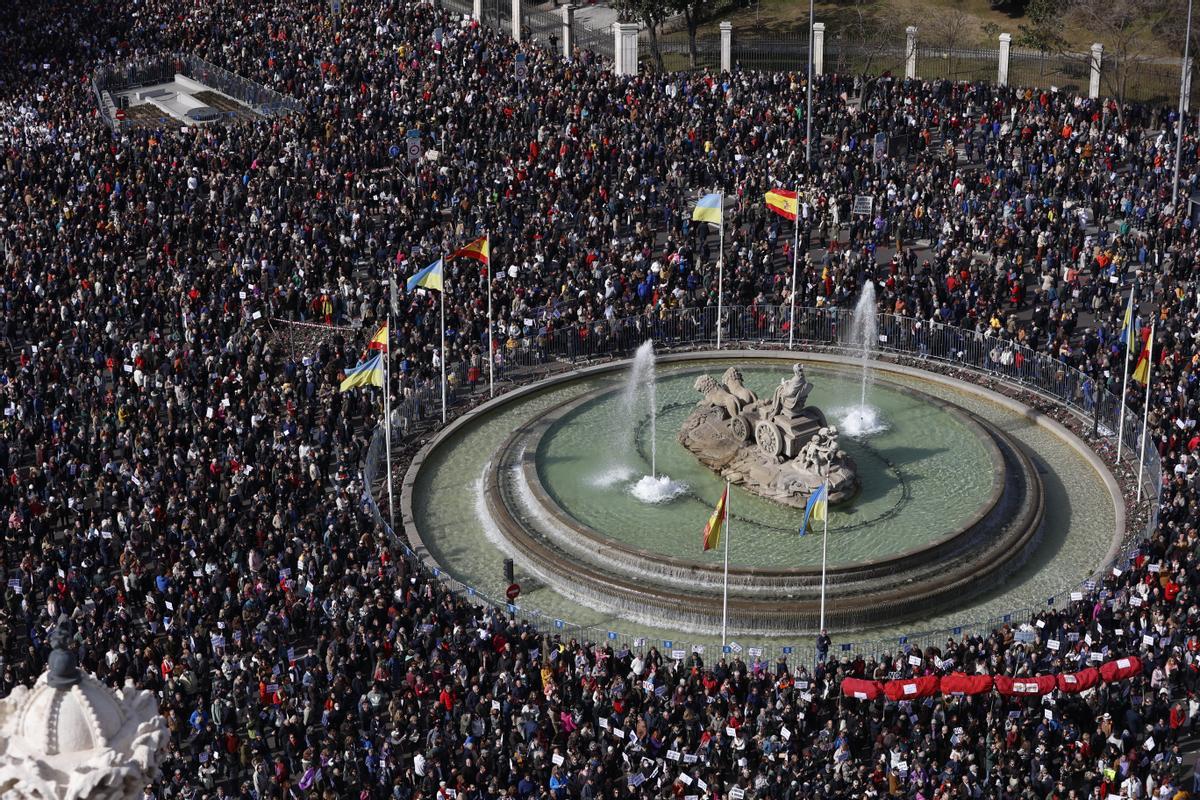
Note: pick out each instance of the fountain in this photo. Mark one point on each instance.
(652, 488)
(863, 419)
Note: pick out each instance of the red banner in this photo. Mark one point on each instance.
(912, 688)
(1075, 682)
(962, 683)
(1033, 686)
(860, 689)
(1121, 669)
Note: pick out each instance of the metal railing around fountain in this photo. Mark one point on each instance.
(525, 356)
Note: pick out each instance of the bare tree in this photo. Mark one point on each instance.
(1127, 30)
(870, 39)
(948, 32)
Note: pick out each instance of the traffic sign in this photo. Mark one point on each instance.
(513, 591)
(120, 113)
(520, 68)
(413, 145)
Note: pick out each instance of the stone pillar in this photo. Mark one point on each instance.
(568, 30)
(1097, 58)
(1002, 67)
(625, 47)
(516, 20)
(477, 11)
(818, 44)
(726, 46)
(910, 51)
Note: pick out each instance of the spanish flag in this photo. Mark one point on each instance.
(366, 373)
(380, 340)
(477, 250)
(1141, 372)
(708, 209)
(712, 531)
(428, 278)
(784, 203)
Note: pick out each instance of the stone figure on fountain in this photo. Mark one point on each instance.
(778, 447)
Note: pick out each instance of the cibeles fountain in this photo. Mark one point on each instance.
(776, 447)
(70, 737)
(949, 503)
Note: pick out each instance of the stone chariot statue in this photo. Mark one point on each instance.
(777, 447)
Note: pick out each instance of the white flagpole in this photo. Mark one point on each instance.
(1145, 411)
(1125, 380)
(721, 270)
(491, 344)
(824, 551)
(387, 419)
(442, 294)
(725, 592)
(795, 257)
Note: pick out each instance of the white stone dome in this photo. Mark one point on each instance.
(84, 717)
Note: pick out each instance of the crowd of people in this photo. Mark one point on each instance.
(183, 483)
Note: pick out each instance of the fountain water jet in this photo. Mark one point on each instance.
(863, 420)
(651, 488)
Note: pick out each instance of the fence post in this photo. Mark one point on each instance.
(568, 30)
(477, 11)
(818, 53)
(1002, 69)
(625, 47)
(910, 52)
(516, 21)
(726, 46)
(1097, 58)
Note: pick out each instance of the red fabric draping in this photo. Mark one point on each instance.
(912, 688)
(1033, 686)
(962, 683)
(1121, 669)
(861, 689)
(1075, 682)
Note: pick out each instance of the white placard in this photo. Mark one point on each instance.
(685, 779)
(786, 733)
(737, 793)
(557, 759)
(604, 723)
(672, 755)
(1150, 743)
(618, 732)
(1053, 644)
(678, 655)
(1148, 641)
(914, 660)
(730, 731)
(1041, 623)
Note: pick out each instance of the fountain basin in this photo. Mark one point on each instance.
(443, 501)
(948, 567)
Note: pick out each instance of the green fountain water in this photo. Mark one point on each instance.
(922, 477)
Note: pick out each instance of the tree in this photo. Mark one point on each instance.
(651, 13)
(694, 12)
(1127, 30)
(1044, 29)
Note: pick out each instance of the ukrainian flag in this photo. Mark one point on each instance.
(1127, 326)
(367, 373)
(816, 508)
(428, 278)
(708, 209)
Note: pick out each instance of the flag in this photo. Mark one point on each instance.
(380, 340)
(784, 203)
(1141, 372)
(366, 373)
(712, 531)
(708, 209)
(1127, 326)
(428, 278)
(816, 508)
(477, 250)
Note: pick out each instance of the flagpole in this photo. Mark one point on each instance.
(824, 551)
(387, 418)
(1125, 379)
(725, 592)
(795, 259)
(1146, 411)
(721, 269)
(442, 295)
(491, 343)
